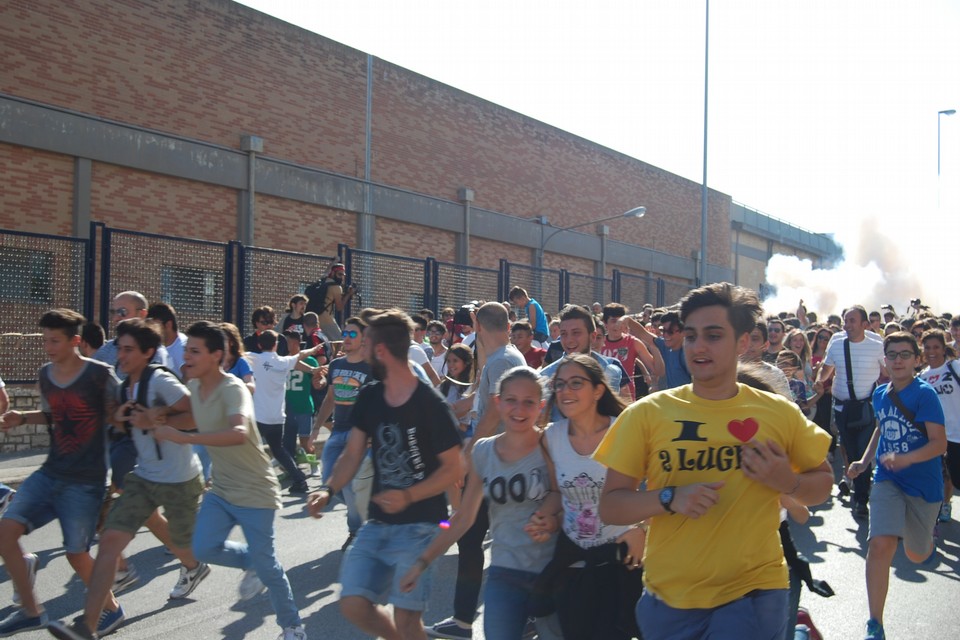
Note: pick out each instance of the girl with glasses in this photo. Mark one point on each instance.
(594, 579)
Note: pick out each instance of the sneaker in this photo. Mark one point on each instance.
(860, 510)
(293, 633)
(19, 621)
(803, 618)
(874, 631)
(530, 630)
(843, 488)
(33, 563)
(348, 542)
(125, 579)
(301, 457)
(189, 579)
(250, 585)
(109, 621)
(450, 628)
(946, 512)
(77, 630)
(299, 489)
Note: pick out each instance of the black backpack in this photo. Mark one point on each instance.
(316, 296)
(143, 388)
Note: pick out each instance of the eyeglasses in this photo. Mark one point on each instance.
(774, 330)
(574, 382)
(669, 332)
(903, 355)
(351, 334)
(123, 312)
(435, 332)
(824, 336)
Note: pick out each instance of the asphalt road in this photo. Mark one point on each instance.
(924, 602)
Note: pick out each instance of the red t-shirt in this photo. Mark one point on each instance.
(624, 350)
(534, 357)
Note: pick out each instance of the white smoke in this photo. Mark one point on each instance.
(876, 269)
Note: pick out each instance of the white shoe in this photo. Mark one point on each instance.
(293, 633)
(189, 579)
(250, 585)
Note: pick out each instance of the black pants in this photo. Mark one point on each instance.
(272, 435)
(470, 567)
(855, 441)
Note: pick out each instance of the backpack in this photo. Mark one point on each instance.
(317, 295)
(142, 388)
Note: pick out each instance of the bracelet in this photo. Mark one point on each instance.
(795, 487)
(327, 488)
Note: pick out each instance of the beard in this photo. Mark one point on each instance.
(377, 370)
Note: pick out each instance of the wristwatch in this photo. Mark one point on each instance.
(666, 497)
(326, 487)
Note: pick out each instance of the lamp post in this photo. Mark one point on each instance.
(636, 212)
(945, 112)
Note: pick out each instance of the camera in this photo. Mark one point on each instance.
(462, 315)
(915, 302)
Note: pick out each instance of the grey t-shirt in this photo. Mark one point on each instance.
(514, 490)
(498, 363)
(170, 463)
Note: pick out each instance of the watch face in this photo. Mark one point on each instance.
(666, 497)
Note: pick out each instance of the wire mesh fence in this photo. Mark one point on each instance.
(673, 291)
(585, 290)
(271, 277)
(543, 285)
(457, 285)
(383, 280)
(37, 272)
(190, 275)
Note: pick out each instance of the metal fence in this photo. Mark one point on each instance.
(194, 276)
(271, 277)
(585, 290)
(457, 284)
(37, 272)
(543, 285)
(206, 280)
(383, 280)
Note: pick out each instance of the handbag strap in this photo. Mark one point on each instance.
(846, 360)
(909, 415)
(952, 372)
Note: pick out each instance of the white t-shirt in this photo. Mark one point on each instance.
(175, 353)
(417, 354)
(866, 357)
(270, 375)
(948, 390)
(439, 364)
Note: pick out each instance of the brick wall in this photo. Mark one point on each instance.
(37, 193)
(28, 436)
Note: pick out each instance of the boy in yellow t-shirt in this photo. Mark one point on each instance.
(716, 455)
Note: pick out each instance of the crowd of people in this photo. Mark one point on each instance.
(633, 471)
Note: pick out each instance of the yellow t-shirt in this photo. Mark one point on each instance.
(242, 474)
(674, 438)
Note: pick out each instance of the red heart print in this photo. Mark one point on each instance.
(743, 430)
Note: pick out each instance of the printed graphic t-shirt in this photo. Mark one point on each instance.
(674, 438)
(406, 443)
(345, 379)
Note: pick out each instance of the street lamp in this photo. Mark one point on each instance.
(945, 112)
(636, 212)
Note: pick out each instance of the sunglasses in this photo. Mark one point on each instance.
(823, 336)
(574, 382)
(903, 355)
(775, 330)
(122, 312)
(351, 334)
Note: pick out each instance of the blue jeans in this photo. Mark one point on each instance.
(332, 449)
(214, 522)
(759, 615)
(506, 606)
(855, 441)
(380, 556)
(205, 460)
(43, 498)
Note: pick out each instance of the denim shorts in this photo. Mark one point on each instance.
(42, 499)
(758, 615)
(302, 421)
(380, 555)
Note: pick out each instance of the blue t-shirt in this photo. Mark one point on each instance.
(241, 368)
(898, 435)
(537, 317)
(677, 374)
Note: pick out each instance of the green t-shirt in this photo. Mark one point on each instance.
(299, 383)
